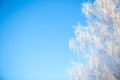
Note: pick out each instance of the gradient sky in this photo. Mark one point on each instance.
(34, 36)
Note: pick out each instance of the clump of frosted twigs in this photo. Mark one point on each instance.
(98, 42)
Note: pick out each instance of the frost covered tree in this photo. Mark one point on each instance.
(97, 43)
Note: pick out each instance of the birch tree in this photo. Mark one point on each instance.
(98, 42)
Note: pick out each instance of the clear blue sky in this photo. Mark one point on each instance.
(34, 36)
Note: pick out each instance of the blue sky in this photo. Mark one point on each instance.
(34, 36)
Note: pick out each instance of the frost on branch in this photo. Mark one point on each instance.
(98, 42)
